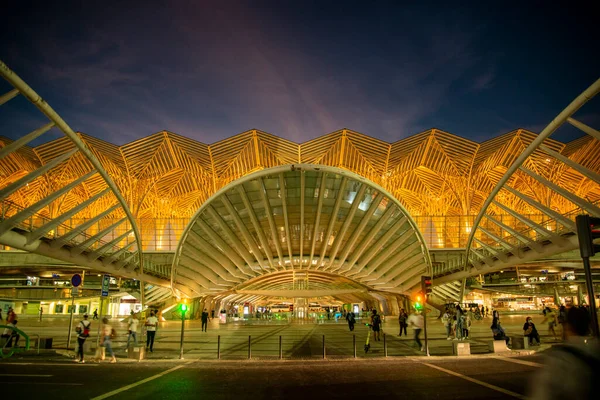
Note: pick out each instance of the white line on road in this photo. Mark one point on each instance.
(517, 361)
(468, 378)
(124, 388)
(31, 375)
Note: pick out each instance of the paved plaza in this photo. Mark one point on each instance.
(298, 340)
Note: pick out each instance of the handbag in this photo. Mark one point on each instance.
(528, 331)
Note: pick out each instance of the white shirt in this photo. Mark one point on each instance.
(133, 324)
(416, 321)
(151, 323)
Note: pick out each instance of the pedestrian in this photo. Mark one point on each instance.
(571, 369)
(498, 331)
(402, 321)
(551, 320)
(466, 325)
(212, 313)
(151, 324)
(351, 318)
(41, 313)
(132, 329)
(530, 332)
(205, 320)
(486, 311)
(83, 332)
(1, 319)
(11, 315)
(447, 321)
(459, 323)
(108, 333)
(562, 318)
(482, 311)
(416, 321)
(375, 325)
(10, 333)
(95, 316)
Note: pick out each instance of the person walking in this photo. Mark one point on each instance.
(205, 320)
(132, 327)
(10, 333)
(351, 318)
(570, 370)
(11, 315)
(402, 322)
(447, 321)
(530, 332)
(95, 316)
(416, 321)
(375, 325)
(151, 324)
(83, 332)
(551, 320)
(108, 333)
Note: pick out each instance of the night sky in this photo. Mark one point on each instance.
(209, 70)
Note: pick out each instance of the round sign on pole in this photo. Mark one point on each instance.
(76, 280)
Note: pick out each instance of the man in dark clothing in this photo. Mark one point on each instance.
(402, 320)
(530, 331)
(375, 325)
(204, 320)
(351, 320)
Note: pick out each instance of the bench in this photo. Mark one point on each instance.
(498, 346)
(461, 348)
(520, 342)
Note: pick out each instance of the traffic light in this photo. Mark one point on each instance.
(426, 285)
(418, 305)
(588, 229)
(184, 305)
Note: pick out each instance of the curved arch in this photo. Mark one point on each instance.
(295, 218)
(106, 243)
(493, 244)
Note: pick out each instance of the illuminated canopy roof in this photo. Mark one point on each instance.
(258, 233)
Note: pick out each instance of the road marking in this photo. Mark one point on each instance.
(124, 388)
(517, 361)
(468, 378)
(39, 376)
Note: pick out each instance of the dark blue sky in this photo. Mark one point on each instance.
(208, 70)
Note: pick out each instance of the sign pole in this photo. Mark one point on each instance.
(71, 319)
(182, 329)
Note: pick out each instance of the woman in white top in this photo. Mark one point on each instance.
(106, 341)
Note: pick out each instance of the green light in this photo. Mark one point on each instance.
(417, 306)
(184, 307)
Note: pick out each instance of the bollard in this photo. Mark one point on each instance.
(280, 349)
(384, 346)
(354, 344)
(249, 347)
(219, 347)
(324, 353)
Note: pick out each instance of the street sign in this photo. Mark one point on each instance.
(105, 285)
(76, 280)
(74, 291)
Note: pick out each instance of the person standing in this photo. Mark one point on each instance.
(562, 318)
(83, 332)
(530, 332)
(376, 325)
(41, 313)
(108, 333)
(487, 311)
(459, 323)
(351, 320)
(132, 328)
(447, 321)
(151, 324)
(416, 321)
(402, 322)
(205, 320)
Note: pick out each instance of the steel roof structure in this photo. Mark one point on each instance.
(87, 201)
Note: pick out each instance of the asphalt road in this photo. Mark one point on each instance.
(407, 378)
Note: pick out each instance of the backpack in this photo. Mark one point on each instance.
(376, 320)
(85, 332)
